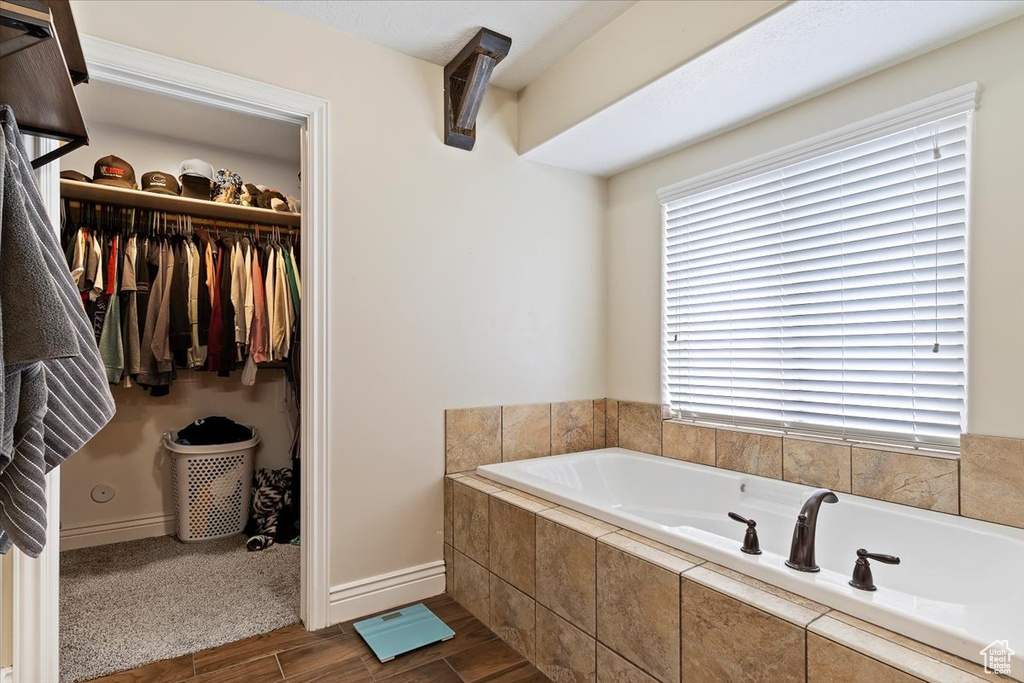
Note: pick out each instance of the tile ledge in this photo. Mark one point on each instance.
(909, 657)
(753, 596)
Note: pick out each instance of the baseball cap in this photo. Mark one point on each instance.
(196, 167)
(162, 183)
(75, 175)
(112, 170)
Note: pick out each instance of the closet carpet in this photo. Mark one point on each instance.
(126, 604)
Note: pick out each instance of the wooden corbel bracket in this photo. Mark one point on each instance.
(465, 81)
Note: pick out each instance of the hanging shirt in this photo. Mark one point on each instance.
(196, 352)
(271, 284)
(110, 343)
(249, 300)
(238, 292)
(129, 310)
(260, 338)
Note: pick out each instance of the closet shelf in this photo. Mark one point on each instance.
(35, 79)
(185, 206)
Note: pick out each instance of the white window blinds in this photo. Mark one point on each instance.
(811, 297)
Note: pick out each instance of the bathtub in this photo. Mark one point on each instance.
(960, 585)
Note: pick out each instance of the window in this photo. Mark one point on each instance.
(827, 295)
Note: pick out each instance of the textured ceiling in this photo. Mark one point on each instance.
(435, 30)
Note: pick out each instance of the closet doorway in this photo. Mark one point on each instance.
(148, 110)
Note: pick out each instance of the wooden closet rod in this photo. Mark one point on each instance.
(198, 221)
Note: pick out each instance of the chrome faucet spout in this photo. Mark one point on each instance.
(801, 551)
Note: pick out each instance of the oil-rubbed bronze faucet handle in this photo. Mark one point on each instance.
(862, 578)
(751, 546)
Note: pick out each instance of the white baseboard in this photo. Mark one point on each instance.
(378, 593)
(7, 674)
(132, 529)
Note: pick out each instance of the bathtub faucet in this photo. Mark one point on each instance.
(801, 552)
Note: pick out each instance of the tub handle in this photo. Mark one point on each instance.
(862, 578)
(751, 546)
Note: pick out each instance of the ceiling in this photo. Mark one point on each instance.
(153, 114)
(542, 32)
(803, 50)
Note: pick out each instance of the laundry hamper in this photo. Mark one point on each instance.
(212, 487)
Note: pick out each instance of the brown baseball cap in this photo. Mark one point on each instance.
(162, 183)
(112, 170)
(75, 175)
(196, 187)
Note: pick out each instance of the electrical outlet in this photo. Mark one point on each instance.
(103, 493)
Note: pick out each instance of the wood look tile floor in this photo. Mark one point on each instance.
(338, 655)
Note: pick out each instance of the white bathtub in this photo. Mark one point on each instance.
(960, 585)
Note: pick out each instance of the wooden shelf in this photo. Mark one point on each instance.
(185, 206)
(35, 79)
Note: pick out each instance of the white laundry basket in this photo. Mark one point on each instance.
(212, 487)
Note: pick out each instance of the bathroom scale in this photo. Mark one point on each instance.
(398, 632)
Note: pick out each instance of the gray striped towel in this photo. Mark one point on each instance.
(60, 390)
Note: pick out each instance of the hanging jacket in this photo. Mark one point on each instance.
(228, 349)
(110, 343)
(129, 310)
(270, 293)
(216, 337)
(179, 328)
(238, 293)
(260, 339)
(249, 299)
(204, 302)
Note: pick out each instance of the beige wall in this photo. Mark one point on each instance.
(994, 58)
(127, 453)
(459, 278)
(648, 40)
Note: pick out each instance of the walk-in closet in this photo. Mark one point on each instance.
(179, 522)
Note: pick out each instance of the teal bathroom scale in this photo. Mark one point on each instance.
(398, 632)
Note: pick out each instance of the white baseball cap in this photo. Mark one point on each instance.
(196, 167)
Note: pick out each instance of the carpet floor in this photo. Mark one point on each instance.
(127, 604)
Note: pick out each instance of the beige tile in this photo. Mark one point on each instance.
(472, 438)
(638, 611)
(572, 426)
(779, 603)
(566, 576)
(992, 479)
(448, 510)
(640, 427)
(915, 661)
(689, 442)
(656, 553)
(564, 653)
(829, 662)
(513, 542)
(724, 639)
(577, 521)
(525, 431)
(611, 423)
(513, 617)
(612, 668)
(917, 480)
(472, 587)
(449, 570)
(759, 454)
(523, 500)
(470, 521)
(600, 407)
(480, 483)
(917, 647)
(816, 463)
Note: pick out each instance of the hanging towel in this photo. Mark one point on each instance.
(63, 397)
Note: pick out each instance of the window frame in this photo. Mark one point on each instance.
(951, 102)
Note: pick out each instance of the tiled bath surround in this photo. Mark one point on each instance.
(986, 482)
(589, 602)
